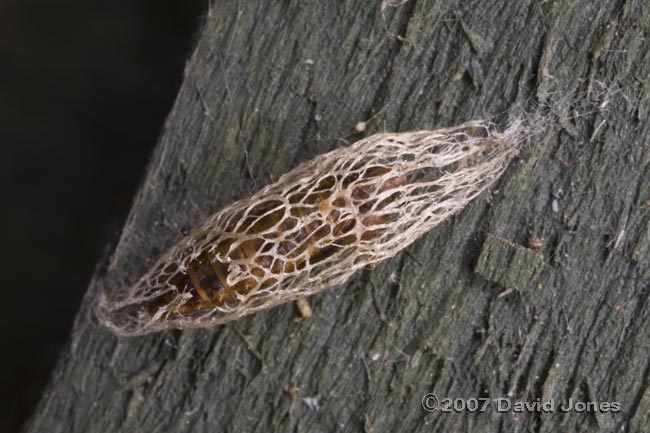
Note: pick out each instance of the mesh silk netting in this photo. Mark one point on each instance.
(314, 227)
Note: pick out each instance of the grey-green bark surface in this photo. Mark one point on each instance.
(468, 311)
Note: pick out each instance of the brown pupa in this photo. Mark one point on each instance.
(314, 227)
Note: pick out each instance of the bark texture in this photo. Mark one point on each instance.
(469, 310)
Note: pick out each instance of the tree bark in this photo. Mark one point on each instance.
(473, 309)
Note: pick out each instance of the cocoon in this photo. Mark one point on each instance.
(314, 227)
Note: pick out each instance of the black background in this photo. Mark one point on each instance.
(84, 91)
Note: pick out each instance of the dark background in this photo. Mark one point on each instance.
(84, 91)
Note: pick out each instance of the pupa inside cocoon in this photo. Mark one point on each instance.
(314, 227)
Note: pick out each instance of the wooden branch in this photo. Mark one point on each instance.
(472, 310)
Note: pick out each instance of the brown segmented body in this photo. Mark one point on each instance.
(207, 275)
(314, 227)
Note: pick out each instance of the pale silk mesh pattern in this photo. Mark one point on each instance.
(318, 224)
